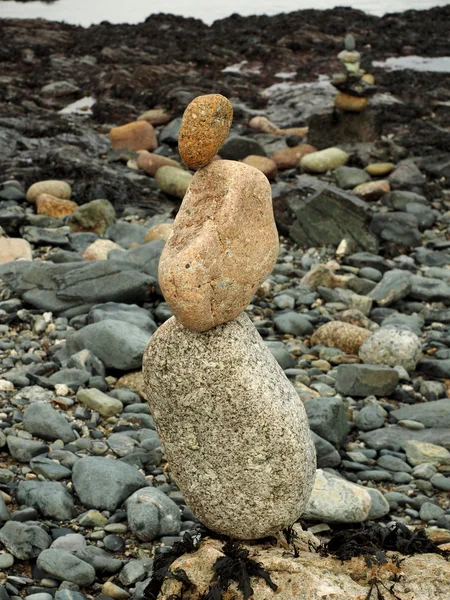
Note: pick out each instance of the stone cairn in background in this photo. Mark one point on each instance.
(236, 435)
(353, 83)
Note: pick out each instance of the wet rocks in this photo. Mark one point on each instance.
(103, 483)
(151, 514)
(398, 227)
(324, 160)
(95, 216)
(119, 345)
(138, 135)
(337, 334)
(394, 286)
(55, 188)
(392, 346)
(64, 566)
(238, 147)
(195, 451)
(335, 500)
(326, 417)
(205, 270)
(366, 380)
(42, 420)
(24, 541)
(52, 499)
(173, 180)
(204, 128)
(51, 206)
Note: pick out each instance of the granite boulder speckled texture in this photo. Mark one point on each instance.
(204, 128)
(224, 244)
(235, 433)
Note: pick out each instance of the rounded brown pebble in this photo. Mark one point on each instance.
(138, 135)
(372, 190)
(224, 244)
(289, 158)
(51, 206)
(204, 128)
(150, 163)
(368, 78)
(337, 334)
(263, 164)
(54, 187)
(159, 232)
(350, 103)
(264, 125)
(380, 169)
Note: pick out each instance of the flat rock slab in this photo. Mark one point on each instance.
(235, 433)
(366, 380)
(311, 576)
(393, 437)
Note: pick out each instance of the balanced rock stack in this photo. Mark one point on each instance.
(235, 434)
(353, 83)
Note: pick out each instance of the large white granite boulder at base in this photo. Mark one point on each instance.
(235, 433)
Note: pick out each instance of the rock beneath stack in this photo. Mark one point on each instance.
(206, 272)
(245, 464)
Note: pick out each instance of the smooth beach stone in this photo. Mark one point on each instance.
(204, 128)
(379, 169)
(224, 244)
(155, 116)
(235, 434)
(338, 334)
(51, 206)
(159, 232)
(54, 187)
(264, 164)
(350, 103)
(392, 346)
(289, 158)
(173, 180)
(324, 160)
(150, 162)
(264, 125)
(95, 216)
(100, 249)
(138, 135)
(14, 248)
(372, 190)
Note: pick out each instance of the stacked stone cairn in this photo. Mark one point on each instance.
(235, 433)
(353, 83)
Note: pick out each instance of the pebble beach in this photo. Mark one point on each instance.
(356, 311)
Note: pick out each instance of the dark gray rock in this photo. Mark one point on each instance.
(366, 380)
(379, 506)
(282, 356)
(64, 566)
(441, 483)
(24, 541)
(86, 360)
(169, 133)
(239, 147)
(425, 216)
(394, 437)
(429, 289)
(370, 417)
(293, 323)
(414, 322)
(51, 499)
(326, 453)
(399, 199)
(49, 469)
(66, 594)
(42, 420)
(393, 463)
(328, 216)
(125, 234)
(434, 368)
(429, 511)
(398, 227)
(367, 259)
(374, 475)
(394, 286)
(105, 484)
(327, 418)
(135, 570)
(129, 313)
(145, 258)
(73, 378)
(47, 236)
(119, 345)
(151, 514)
(76, 286)
(407, 176)
(349, 177)
(4, 512)
(431, 414)
(101, 560)
(24, 450)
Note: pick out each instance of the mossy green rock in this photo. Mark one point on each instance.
(95, 216)
(173, 181)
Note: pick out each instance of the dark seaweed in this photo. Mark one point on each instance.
(238, 567)
(372, 541)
